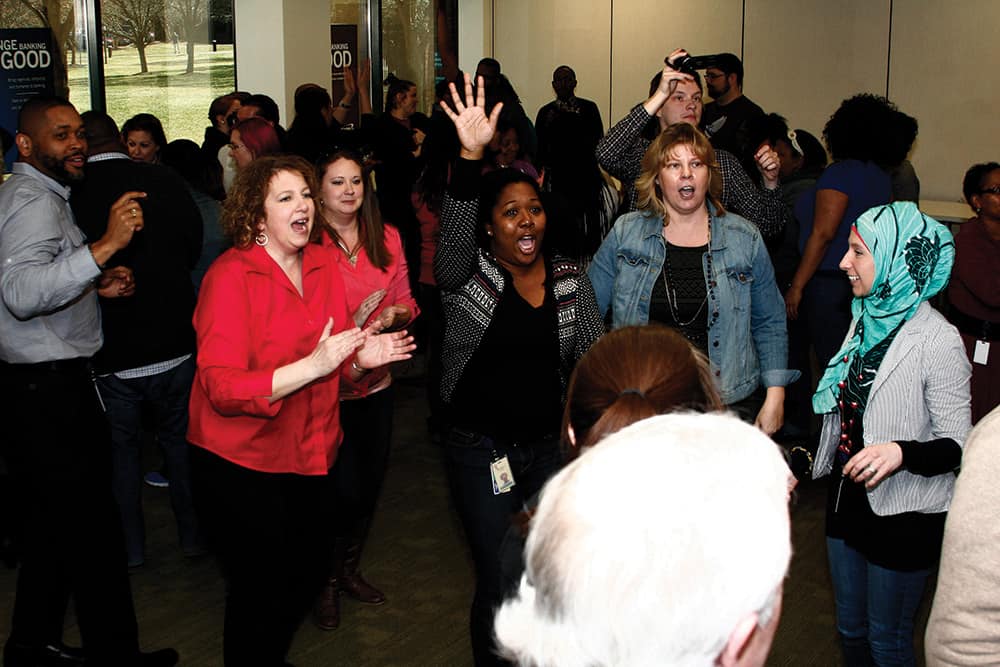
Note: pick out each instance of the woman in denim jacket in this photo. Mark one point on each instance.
(683, 261)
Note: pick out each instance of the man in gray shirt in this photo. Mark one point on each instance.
(57, 445)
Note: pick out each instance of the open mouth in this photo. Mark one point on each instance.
(300, 226)
(527, 244)
(76, 161)
(853, 279)
(686, 192)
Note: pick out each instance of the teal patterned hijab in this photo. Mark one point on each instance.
(913, 256)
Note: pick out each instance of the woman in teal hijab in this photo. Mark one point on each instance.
(895, 400)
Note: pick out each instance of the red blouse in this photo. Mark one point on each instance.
(363, 278)
(250, 320)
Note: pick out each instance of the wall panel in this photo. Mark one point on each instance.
(943, 72)
(803, 57)
(531, 38)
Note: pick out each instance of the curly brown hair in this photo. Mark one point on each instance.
(243, 210)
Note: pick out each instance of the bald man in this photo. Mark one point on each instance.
(57, 445)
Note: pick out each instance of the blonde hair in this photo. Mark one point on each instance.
(678, 134)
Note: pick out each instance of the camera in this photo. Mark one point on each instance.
(690, 64)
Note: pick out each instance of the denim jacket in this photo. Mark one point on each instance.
(747, 338)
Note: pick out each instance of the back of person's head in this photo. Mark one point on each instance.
(665, 545)
(267, 107)
(396, 87)
(813, 153)
(973, 181)
(729, 63)
(870, 128)
(220, 106)
(259, 136)
(201, 172)
(630, 374)
(146, 122)
(102, 133)
(310, 100)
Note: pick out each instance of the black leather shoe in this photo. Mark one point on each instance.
(50, 655)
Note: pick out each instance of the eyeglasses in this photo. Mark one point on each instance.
(994, 190)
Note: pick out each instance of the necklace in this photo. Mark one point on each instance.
(668, 283)
(352, 255)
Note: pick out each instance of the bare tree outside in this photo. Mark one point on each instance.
(191, 16)
(136, 21)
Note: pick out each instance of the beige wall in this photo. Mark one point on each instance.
(281, 44)
(802, 58)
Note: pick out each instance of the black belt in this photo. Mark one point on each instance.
(973, 326)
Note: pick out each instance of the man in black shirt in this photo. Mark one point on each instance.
(728, 118)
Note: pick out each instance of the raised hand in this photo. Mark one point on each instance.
(769, 165)
(474, 128)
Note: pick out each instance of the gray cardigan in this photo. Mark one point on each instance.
(921, 392)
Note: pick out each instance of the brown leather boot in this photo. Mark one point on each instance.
(351, 581)
(326, 610)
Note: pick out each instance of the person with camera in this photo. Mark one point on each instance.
(675, 96)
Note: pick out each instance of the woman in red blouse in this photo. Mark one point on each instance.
(369, 256)
(274, 340)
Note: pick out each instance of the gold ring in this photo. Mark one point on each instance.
(133, 212)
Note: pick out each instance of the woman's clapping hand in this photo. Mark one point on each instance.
(331, 351)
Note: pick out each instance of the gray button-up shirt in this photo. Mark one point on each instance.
(47, 273)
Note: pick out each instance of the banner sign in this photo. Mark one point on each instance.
(26, 69)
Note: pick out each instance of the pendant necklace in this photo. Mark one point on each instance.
(352, 257)
(668, 284)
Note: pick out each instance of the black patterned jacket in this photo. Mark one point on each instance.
(472, 282)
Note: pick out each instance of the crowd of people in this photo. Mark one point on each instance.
(571, 291)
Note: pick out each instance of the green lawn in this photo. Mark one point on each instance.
(179, 100)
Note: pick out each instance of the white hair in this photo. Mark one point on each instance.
(651, 547)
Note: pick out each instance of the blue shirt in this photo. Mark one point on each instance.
(865, 184)
(747, 339)
(47, 273)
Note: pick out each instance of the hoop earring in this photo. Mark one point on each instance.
(261, 239)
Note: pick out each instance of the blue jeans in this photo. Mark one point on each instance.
(169, 393)
(486, 517)
(876, 607)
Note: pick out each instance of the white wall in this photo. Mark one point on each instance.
(281, 44)
(934, 58)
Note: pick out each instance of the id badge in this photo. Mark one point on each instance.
(981, 355)
(501, 475)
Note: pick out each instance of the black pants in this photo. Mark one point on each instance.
(486, 516)
(58, 452)
(269, 531)
(361, 461)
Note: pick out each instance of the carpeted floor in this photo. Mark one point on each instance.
(416, 555)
